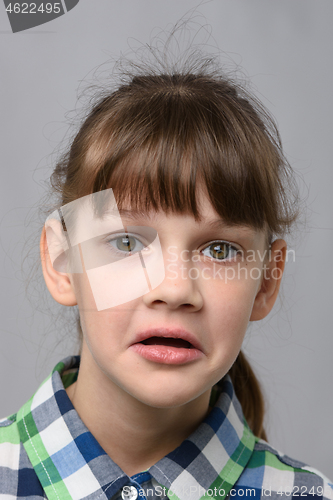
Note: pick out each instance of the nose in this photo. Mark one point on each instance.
(178, 289)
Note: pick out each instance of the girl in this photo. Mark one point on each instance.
(174, 200)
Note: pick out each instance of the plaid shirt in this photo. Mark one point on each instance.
(47, 452)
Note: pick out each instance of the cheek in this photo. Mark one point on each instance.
(228, 314)
(99, 326)
(83, 293)
(229, 307)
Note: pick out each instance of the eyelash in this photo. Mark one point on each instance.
(227, 260)
(210, 244)
(128, 236)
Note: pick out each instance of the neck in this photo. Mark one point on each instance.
(120, 422)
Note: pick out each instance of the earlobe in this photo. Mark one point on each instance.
(271, 280)
(56, 279)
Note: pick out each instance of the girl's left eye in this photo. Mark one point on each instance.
(126, 243)
(221, 250)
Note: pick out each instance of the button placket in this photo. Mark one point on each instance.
(129, 493)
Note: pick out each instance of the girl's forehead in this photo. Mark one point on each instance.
(205, 209)
(99, 213)
(210, 222)
(208, 216)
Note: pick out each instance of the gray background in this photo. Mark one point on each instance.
(285, 47)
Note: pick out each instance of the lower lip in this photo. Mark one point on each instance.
(166, 354)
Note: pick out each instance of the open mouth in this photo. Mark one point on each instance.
(168, 341)
(160, 346)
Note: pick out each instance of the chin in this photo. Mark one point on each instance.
(167, 396)
(168, 402)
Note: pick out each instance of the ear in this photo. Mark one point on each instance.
(270, 282)
(57, 281)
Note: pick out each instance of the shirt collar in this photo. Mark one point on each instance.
(70, 463)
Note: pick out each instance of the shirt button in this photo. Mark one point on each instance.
(129, 493)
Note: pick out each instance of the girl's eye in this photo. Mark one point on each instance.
(221, 250)
(126, 243)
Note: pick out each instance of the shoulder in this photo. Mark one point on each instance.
(9, 442)
(17, 476)
(275, 476)
(10, 450)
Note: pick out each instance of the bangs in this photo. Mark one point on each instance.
(160, 140)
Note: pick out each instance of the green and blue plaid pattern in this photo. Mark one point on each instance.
(47, 452)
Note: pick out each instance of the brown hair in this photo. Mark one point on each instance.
(158, 137)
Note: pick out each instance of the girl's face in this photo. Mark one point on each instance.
(174, 343)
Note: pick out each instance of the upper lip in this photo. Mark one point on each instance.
(175, 333)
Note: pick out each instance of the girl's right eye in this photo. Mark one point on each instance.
(126, 244)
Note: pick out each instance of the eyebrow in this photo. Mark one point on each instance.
(243, 229)
(220, 223)
(130, 213)
(210, 224)
(134, 214)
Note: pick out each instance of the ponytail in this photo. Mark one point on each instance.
(249, 394)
